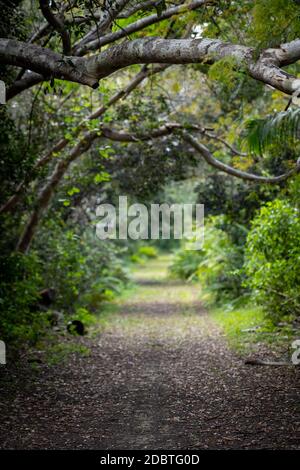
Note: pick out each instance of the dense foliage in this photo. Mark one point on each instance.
(273, 259)
(217, 265)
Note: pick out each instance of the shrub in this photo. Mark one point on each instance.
(83, 271)
(220, 269)
(137, 259)
(216, 266)
(143, 253)
(186, 263)
(147, 251)
(272, 262)
(20, 280)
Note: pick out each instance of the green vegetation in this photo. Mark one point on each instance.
(147, 252)
(217, 266)
(147, 300)
(273, 259)
(249, 275)
(67, 147)
(247, 328)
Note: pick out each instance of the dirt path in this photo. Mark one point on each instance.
(159, 377)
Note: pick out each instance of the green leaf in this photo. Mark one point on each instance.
(73, 191)
(101, 177)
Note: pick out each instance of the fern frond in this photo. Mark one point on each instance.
(261, 134)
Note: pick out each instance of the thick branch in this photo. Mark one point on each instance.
(183, 51)
(45, 62)
(109, 12)
(28, 80)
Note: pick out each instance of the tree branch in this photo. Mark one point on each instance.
(62, 166)
(208, 157)
(58, 25)
(167, 129)
(85, 143)
(232, 149)
(27, 81)
(128, 12)
(89, 71)
(30, 79)
(266, 68)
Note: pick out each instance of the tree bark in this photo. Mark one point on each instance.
(63, 165)
(88, 71)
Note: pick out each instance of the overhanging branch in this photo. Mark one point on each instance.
(88, 71)
(212, 161)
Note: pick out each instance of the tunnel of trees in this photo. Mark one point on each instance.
(161, 101)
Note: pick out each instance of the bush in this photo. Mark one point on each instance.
(83, 270)
(272, 262)
(186, 263)
(20, 280)
(217, 266)
(143, 253)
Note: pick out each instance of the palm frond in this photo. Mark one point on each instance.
(261, 134)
